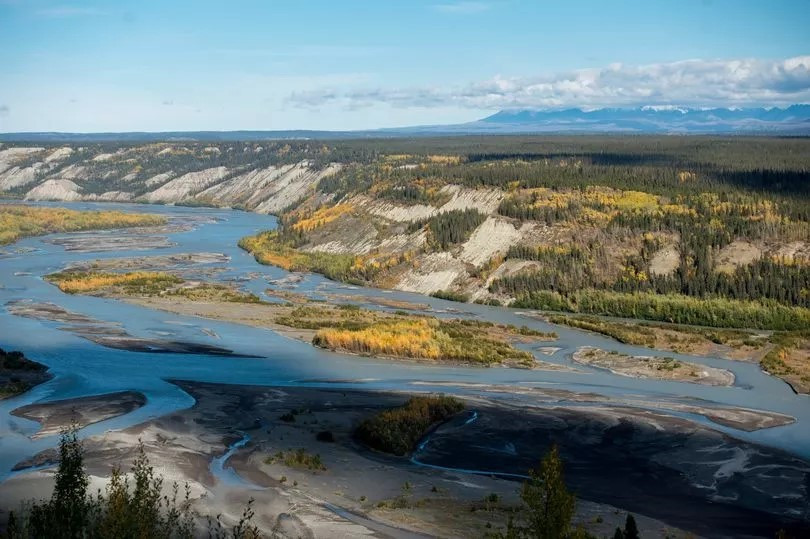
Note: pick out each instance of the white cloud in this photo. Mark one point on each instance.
(699, 83)
(462, 7)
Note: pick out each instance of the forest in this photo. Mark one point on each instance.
(732, 214)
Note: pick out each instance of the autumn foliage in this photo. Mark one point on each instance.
(136, 281)
(19, 221)
(398, 430)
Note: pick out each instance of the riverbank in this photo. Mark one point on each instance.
(675, 467)
(54, 416)
(18, 374)
(657, 367)
(344, 328)
(20, 221)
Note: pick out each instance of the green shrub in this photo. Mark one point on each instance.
(397, 430)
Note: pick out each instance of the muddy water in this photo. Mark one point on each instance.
(83, 368)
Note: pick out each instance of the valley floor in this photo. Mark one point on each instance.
(437, 491)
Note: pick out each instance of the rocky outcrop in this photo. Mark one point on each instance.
(56, 174)
(12, 156)
(111, 196)
(182, 188)
(55, 190)
(292, 186)
(461, 198)
(71, 172)
(493, 237)
(432, 272)
(18, 177)
(158, 179)
(59, 154)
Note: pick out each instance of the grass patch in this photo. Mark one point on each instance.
(451, 296)
(621, 332)
(403, 335)
(298, 458)
(214, 292)
(775, 361)
(423, 338)
(148, 283)
(397, 430)
(19, 221)
(137, 282)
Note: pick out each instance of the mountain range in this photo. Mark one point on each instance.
(792, 120)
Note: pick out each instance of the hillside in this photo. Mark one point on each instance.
(792, 120)
(526, 220)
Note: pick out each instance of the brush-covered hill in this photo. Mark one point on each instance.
(565, 223)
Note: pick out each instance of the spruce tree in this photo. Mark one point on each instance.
(630, 528)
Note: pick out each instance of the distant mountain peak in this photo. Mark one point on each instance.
(794, 119)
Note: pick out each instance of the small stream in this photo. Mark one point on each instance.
(83, 368)
(226, 474)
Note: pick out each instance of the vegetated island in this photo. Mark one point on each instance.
(781, 353)
(660, 368)
(19, 221)
(707, 231)
(18, 374)
(344, 328)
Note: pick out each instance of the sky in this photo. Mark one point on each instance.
(145, 65)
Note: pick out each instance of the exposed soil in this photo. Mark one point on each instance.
(653, 367)
(681, 474)
(81, 411)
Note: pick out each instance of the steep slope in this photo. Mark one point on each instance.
(265, 178)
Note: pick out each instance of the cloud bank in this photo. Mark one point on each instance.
(696, 83)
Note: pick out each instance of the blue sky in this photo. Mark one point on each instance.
(161, 65)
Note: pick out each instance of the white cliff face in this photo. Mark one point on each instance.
(292, 186)
(185, 186)
(18, 177)
(248, 189)
(110, 196)
(432, 272)
(493, 237)
(58, 155)
(46, 175)
(159, 179)
(461, 198)
(12, 156)
(71, 172)
(55, 190)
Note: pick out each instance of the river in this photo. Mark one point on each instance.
(83, 368)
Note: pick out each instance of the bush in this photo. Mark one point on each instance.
(325, 436)
(450, 296)
(397, 431)
(298, 458)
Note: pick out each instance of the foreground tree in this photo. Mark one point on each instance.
(128, 509)
(548, 506)
(630, 530)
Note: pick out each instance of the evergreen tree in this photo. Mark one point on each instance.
(548, 505)
(66, 514)
(127, 511)
(630, 528)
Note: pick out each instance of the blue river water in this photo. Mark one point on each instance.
(83, 368)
